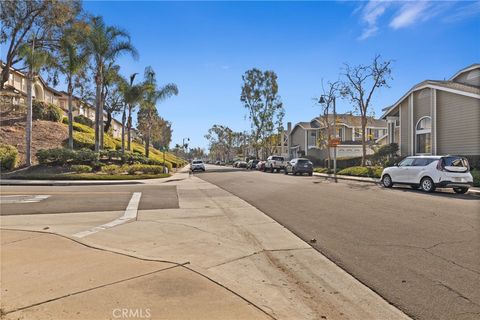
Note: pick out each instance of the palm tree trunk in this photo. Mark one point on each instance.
(70, 114)
(28, 129)
(129, 128)
(98, 81)
(124, 115)
(147, 143)
(102, 120)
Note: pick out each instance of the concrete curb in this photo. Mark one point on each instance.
(473, 191)
(19, 182)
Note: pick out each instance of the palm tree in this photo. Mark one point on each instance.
(148, 118)
(34, 60)
(72, 62)
(105, 43)
(132, 96)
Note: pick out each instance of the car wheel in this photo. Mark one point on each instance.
(272, 170)
(286, 171)
(387, 181)
(427, 184)
(460, 190)
(310, 174)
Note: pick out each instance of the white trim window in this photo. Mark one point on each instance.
(423, 136)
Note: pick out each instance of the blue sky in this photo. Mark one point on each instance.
(205, 47)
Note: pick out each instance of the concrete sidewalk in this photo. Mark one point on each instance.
(232, 243)
(47, 276)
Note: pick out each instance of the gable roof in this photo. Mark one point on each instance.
(469, 68)
(351, 120)
(444, 85)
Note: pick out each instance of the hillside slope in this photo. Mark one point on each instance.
(45, 135)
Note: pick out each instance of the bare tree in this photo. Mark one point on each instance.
(360, 85)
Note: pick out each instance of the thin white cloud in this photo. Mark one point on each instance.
(371, 12)
(409, 14)
(375, 14)
(464, 12)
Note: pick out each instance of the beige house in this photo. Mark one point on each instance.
(17, 83)
(309, 138)
(438, 117)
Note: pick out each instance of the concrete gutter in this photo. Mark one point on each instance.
(474, 191)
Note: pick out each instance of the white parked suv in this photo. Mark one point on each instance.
(274, 163)
(197, 165)
(430, 172)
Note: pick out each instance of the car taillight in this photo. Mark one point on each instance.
(440, 165)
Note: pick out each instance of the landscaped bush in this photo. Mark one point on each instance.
(373, 172)
(322, 170)
(84, 120)
(81, 168)
(82, 128)
(144, 168)
(476, 177)
(86, 156)
(8, 157)
(46, 111)
(112, 169)
(57, 156)
(87, 140)
(384, 154)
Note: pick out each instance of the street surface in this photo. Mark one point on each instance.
(419, 251)
(177, 248)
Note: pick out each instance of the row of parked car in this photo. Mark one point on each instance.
(278, 164)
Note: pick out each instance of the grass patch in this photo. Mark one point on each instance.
(371, 172)
(87, 176)
(322, 170)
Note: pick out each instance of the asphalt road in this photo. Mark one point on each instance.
(67, 199)
(421, 252)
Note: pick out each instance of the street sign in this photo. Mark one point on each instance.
(334, 142)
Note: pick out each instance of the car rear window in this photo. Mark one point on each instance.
(455, 162)
(302, 161)
(197, 162)
(277, 158)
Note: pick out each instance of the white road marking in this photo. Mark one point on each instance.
(130, 213)
(23, 198)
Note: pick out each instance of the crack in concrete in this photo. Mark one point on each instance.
(15, 241)
(457, 293)
(92, 289)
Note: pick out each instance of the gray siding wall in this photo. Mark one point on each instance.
(405, 127)
(298, 138)
(458, 124)
(421, 104)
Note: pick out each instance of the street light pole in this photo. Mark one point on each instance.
(334, 145)
(335, 135)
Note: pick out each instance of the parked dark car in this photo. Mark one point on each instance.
(299, 166)
(252, 164)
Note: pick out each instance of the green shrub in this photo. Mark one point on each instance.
(86, 156)
(87, 140)
(65, 120)
(57, 156)
(46, 111)
(84, 120)
(321, 170)
(373, 172)
(476, 177)
(82, 128)
(112, 169)
(81, 168)
(8, 157)
(143, 168)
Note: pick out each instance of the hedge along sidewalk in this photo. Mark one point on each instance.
(474, 191)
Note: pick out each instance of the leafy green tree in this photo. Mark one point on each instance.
(149, 122)
(361, 83)
(221, 139)
(265, 109)
(132, 94)
(105, 44)
(23, 19)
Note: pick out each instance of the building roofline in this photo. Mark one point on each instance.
(469, 68)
